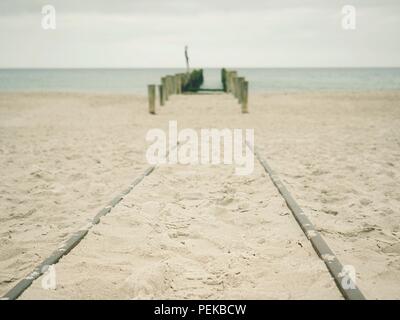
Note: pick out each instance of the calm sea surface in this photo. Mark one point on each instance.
(136, 80)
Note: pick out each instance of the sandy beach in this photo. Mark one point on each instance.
(200, 231)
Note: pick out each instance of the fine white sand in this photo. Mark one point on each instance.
(200, 231)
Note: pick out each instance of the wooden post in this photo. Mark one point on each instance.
(161, 94)
(236, 87)
(151, 88)
(168, 89)
(233, 83)
(179, 83)
(164, 84)
(176, 83)
(184, 80)
(245, 97)
(173, 89)
(240, 89)
(224, 79)
(239, 95)
(230, 81)
(227, 75)
(171, 79)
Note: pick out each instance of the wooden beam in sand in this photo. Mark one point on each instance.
(73, 241)
(350, 291)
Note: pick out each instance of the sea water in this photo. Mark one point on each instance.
(260, 79)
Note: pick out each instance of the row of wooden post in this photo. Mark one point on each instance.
(239, 87)
(170, 84)
(174, 84)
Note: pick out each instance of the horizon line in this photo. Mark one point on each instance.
(199, 67)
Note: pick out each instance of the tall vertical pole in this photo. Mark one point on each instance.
(187, 59)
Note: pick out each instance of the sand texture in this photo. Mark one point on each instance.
(200, 231)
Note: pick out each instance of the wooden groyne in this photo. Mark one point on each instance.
(236, 85)
(174, 84)
(191, 82)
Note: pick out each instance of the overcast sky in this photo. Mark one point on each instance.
(231, 33)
